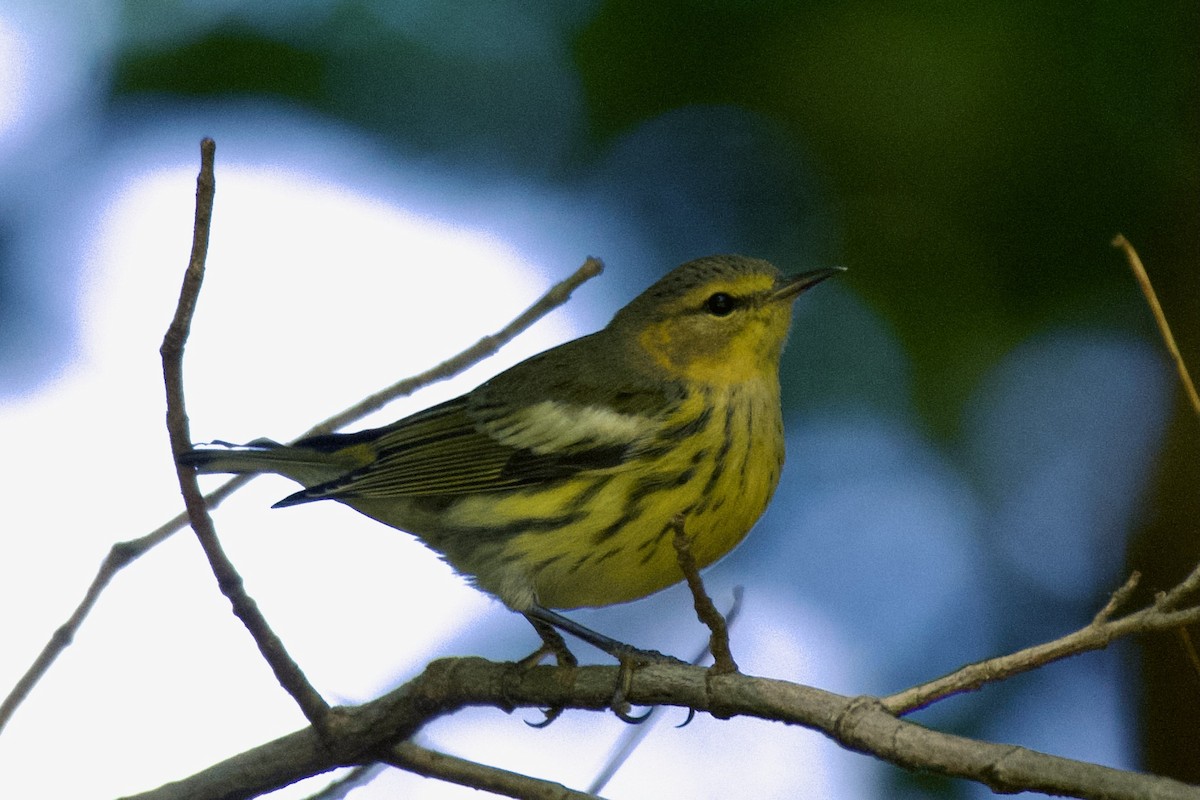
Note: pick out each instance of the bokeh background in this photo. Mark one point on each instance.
(984, 435)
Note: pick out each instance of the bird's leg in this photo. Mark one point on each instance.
(552, 645)
(628, 656)
(723, 662)
(620, 699)
(618, 650)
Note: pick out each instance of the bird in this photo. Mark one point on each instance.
(557, 484)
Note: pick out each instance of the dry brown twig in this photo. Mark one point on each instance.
(287, 672)
(1103, 628)
(406, 755)
(1098, 634)
(1189, 388)
(1160, 319)
(123, 554)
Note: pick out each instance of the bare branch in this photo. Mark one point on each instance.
(1095, 636)
(485, 347)
(1139, 272)
(287, 672)
(1118, 599)
(860, 724)
(122, 554)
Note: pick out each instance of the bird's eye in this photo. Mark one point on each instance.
(720, 304)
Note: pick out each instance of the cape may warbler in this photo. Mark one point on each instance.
(555, 484)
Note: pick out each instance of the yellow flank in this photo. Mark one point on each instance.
(620, 547)
(557, 483)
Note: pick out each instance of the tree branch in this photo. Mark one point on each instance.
(860, 724)
(482, 349)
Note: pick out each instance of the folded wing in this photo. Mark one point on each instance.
(477, 443)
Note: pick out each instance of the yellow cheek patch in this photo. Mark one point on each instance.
(719, 351)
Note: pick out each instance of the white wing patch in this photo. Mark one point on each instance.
(551, 426)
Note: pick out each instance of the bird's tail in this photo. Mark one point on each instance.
(261, 455)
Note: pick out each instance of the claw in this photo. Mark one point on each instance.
(619, 703)
(691, 716)
(551, 715)
(552, 645)
(632, 719)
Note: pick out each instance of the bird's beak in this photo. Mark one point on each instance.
(794, 285)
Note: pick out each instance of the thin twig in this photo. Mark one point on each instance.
(485, 347)
(122, 554)
(1187, 587)
(1189, 648)
(1118, 599)
(707, 612)
(1094, 636)
(432, 764)
(355, 777)
(1164, 329)
(289, 675)
(1103, 629)
(1180, 593)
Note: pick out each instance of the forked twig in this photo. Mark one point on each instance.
(1185, 589)
(1097, 635)
(287, 672)
(122, 554)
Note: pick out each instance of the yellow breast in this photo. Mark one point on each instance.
(720, 474)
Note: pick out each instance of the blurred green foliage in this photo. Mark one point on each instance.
(236, 60)
(980, 156)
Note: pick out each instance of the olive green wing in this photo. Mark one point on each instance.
(477, 443)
